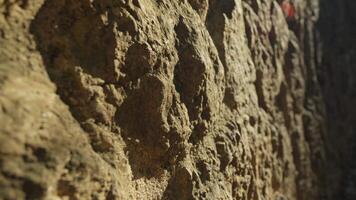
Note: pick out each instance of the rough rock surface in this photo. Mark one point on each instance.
(177, 99)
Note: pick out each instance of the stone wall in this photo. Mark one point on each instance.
(176, 99)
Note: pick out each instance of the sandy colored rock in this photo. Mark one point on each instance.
(170, 99)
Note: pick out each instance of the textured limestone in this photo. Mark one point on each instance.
(162, 99)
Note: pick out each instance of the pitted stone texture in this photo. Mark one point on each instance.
(159, 99)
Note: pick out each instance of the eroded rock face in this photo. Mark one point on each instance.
(158, 99)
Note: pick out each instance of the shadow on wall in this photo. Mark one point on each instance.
(67, 36)
(337, 78)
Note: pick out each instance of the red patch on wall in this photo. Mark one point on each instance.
(288, 9)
